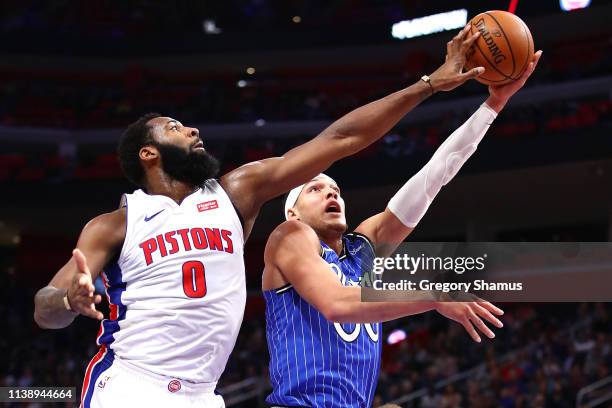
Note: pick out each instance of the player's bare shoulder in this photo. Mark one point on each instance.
(292, 235)
(293, 230)
(108, 229)
(243, 185)
(281, 241)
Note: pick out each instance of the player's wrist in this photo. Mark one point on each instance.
(68, 303)
(496, 103)
(426, 79)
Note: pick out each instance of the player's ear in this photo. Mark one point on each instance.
(292, 214)
(148, 153)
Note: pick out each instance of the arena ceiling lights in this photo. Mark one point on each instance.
(435, 23)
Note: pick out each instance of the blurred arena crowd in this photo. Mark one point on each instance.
(93, 99)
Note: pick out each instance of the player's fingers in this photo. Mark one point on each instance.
(471, 330)
(472, 73)
(81, 261)
(532, 65)
(97, 299)
(480, 325)
(528, 71)
(470, 40)
(92, 313)
(491, 308)
(97, 314)
(482, 312)
(461, 35)
(84, 285)
(456, 40)
(83, 281)
(536, 57)
(90, 310)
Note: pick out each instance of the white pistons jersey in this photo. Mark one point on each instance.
(177, 289)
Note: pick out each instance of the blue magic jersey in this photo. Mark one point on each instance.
(315, 362)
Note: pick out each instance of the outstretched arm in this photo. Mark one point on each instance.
(389, 228)
(71, 291)
(293, 252)
(255, 183)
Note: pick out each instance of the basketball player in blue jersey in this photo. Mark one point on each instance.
(324, 342)
(171, 258)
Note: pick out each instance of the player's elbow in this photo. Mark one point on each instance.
(49, 323)
(39, 317)
(40, 321)
(45, 318)
(335, 311)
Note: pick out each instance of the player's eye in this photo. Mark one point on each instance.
(174, 127)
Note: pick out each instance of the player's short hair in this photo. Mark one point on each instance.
(137, 135)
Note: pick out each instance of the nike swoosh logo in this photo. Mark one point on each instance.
(147, 219)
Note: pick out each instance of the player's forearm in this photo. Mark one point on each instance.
(370, 122)
(349, 308)
(411, 202)
(49, 309)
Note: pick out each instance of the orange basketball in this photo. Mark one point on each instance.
(504, 48)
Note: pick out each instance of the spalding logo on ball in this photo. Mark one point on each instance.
(504, 48)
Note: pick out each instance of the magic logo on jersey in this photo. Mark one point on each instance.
(187, 239)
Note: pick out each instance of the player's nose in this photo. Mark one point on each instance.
(194, 132)
(331, 193)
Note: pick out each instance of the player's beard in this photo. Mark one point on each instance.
(192, 167)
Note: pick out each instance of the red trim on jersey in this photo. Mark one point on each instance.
(114, 313)
(113, 307)
(97, 358)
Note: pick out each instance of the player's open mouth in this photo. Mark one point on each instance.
(199, 145)
(333, 208)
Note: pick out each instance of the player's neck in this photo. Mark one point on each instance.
(162, 184)
(334, 241)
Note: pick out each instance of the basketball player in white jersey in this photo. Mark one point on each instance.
(172, 257)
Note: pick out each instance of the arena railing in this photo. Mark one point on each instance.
(595, 394)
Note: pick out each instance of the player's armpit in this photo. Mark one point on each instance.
(251, 185)
(385, 231)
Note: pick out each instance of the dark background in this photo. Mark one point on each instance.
(74, 74)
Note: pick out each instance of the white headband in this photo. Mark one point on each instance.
(293, 195)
